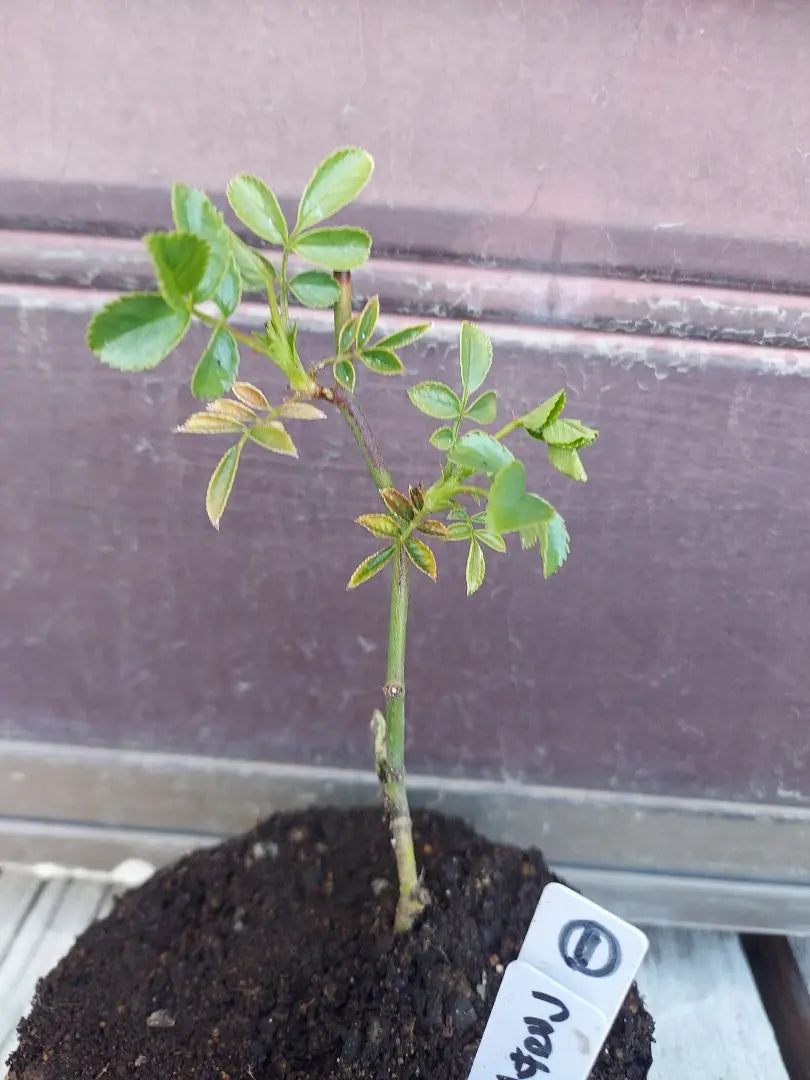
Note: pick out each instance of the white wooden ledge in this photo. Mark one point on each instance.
(710, 1021)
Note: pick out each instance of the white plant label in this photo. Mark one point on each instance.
(557, 1002)
(538, 1028)
(584, 948)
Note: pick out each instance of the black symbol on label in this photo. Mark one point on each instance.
(589, 948)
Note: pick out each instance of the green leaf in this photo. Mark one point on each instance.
(431, 527)
(475, 356)
(283, 351)
(400, 338)
(435, 399)
(554, 542)
(180, 260)
(337, 180)
(206, 423)
(397, 503)
(229, 291)
(136, 331)
(510, 507)
(479, 452)
(315, 289)
(421, 556)
(217, 367)
(442, 438)
(554, 545)
(368, 320)
(338, 247)
(570, 434)
(492, 540)
(194, 212)
(459, 530)
(299, 410)
(382, 361)
(348, 334)
(345, 374)
(370, 566)
(250, 395)
(231, 410)
(476, 568)
(379, 525)
(255, 271)
(547, 411)
(484, 408)
(257, 207)
(567, 462)
(220, 484)
(272, 436)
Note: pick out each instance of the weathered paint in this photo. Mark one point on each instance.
(667, 657)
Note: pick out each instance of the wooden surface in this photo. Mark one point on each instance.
(672, 635)
(783, 990)
(710, 1022)
(801, 950)
(39, 921)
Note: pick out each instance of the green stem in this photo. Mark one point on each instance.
(389, 732)
(363, 436)
(284, 287)
(245, 339)
(343, 307)
(507, 428)
(412, 896)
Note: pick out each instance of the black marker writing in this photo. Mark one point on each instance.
(579, 942)
(538, 1042)
(558, 1017)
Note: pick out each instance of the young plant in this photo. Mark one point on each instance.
(479, 495)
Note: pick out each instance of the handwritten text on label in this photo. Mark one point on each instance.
(538, 1028)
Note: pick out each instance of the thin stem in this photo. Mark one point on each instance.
(364, 437)
(412, 897)
(460, 417)
(283, 286)
(389, 731)
(319, 365)
(343, 307)
(507, 428)
(245, 339)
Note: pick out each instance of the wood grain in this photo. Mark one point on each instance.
(709, 1021)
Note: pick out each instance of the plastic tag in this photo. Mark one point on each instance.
(584, 948)
(557, 1002)
(538, 1028)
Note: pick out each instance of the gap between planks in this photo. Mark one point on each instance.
(781, 968)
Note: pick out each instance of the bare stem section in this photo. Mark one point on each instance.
(412, 896)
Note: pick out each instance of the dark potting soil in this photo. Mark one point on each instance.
(271, 957)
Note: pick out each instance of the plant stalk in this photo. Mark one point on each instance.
(343, 307)
(388, 731)
(412, 896)
(364, 437)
